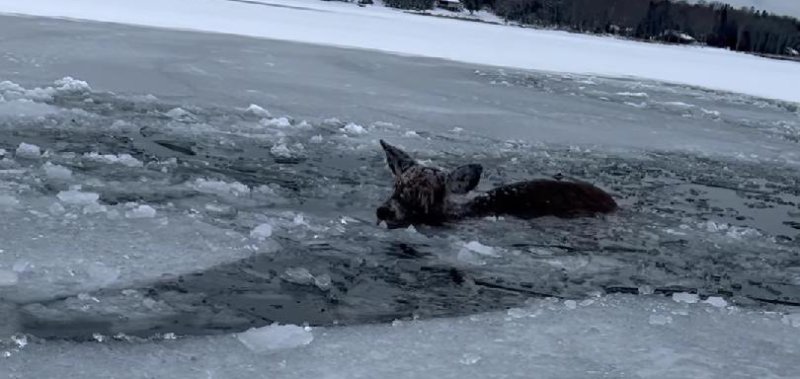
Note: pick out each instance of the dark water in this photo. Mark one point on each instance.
(694, 222)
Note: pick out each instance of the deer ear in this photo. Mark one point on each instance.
(397, 159)
(464, 178)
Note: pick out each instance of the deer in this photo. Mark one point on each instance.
(424, 195)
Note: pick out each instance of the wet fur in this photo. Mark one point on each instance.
(543, 197)
(424, 195)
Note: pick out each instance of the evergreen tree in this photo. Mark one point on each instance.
(713, 23)
(472, 5)
(410, 4)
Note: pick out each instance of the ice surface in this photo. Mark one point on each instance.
(615, 336)
(258, 111)
(280, 122)
(179, 113)
(660, 319)
(220, 187)
(123, 159)
(792, 319)
(141, 211)
(77, 197)
(24, 108)
(28, 151)
(275, 337)
(81, 265)
(216, 178)
(716, 301)
(480, 248)
(8, 278)
(683, 297)
(352, 128)
(281, 150)
(70, 84)
(262, 231)
(8, 201)
(331, 23)
(26, 100)
(54, 171)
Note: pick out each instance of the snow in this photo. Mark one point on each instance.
(275, 337)
(28, 151)
(330, 23)
(628, 336)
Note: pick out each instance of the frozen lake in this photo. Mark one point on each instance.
(142, 213)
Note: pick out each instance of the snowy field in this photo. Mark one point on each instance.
(156, 224)
(343, 24)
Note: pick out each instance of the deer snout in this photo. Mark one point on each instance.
(385, 213)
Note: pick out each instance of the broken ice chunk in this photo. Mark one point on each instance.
(28, 151)
(261, 232)
(275, 337)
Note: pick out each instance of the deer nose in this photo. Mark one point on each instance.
(384, 213)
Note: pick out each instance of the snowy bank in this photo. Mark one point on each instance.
(331, 23)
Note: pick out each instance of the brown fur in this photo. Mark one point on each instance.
(423, 195)
(544, 197)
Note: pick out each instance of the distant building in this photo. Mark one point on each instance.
(451, 5)
(676, 36)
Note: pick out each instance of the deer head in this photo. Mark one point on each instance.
(421, 193)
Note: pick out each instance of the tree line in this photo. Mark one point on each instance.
(715, 24)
